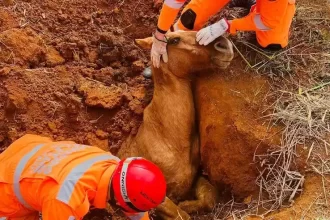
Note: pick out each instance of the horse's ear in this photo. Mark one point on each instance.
(145, 43)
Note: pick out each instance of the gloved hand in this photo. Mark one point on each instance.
(158, 49)
(210, 33)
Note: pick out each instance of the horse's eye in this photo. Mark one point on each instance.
(174, 41)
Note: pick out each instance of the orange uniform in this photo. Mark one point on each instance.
(62, 180)
(203, 9)
(270, 19)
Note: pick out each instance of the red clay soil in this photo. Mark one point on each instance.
(70, 70)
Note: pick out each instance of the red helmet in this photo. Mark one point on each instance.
(138, 185)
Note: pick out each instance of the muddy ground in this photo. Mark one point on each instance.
(70, 70)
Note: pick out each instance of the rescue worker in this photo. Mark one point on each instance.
(270, 19)
(63, 180)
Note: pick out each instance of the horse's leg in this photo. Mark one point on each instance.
(206, 196)
(169, 211)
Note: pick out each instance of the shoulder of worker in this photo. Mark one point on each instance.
(24, 143)
(138, 215)
(32, 138)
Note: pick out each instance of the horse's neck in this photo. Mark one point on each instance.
(172, 104)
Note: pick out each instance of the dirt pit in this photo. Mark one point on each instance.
(70, 70)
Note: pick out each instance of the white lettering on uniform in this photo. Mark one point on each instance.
(45, 163)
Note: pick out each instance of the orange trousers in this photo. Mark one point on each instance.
(280, 34)
(204, 9)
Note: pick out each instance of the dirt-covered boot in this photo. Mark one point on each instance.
(242, 3)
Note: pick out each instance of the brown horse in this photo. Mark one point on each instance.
(168, 135)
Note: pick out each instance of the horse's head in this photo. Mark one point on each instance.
(186, 55)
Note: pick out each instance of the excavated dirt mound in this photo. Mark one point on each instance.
(25, 48)
(70, 70)
(61, 103)
(230, 104)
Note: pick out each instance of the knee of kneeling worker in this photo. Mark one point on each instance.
(270, 46)
(187, 20)
(273, 43)
(273, 47)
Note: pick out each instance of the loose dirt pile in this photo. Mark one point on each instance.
(70, 70)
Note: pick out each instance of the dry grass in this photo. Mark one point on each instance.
(306, 119)
(308, 51)
(308, 113)
(304, 112)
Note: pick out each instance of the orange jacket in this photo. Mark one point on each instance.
(63, 180)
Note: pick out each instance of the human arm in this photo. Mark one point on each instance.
(56, 210)
(168, 14)
(166, 18)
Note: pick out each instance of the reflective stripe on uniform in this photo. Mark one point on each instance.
(18, 172)
(73, 177)
(259, 24)
(137, 216)
(174, 3)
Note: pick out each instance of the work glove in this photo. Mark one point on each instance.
(212, 32)
(158, 49)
